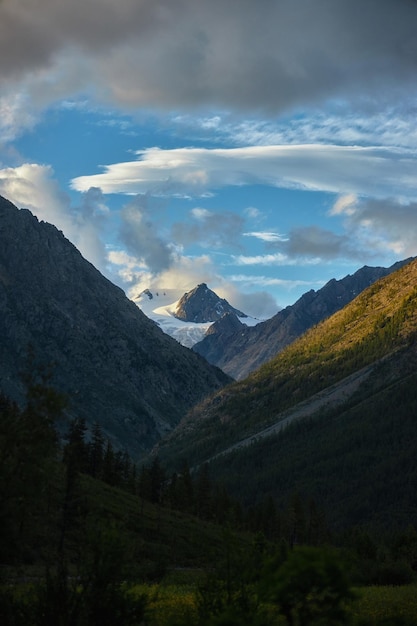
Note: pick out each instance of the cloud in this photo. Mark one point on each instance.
(344, 205)
(185, 273)
(261, 259)
(369, 171)
(34, 187)
(238, 54)
(320, 243)
(201, 214)
(268, 281)
(269, 237)
(140, 236)
(369, 123)
(16, 115)
(253, 213)
(387, 224)
(258, 303)
(312, 245)
(209, 229)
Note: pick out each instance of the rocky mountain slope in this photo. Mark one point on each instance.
(203, 305)
(116, 366)
(160, 305)
(239, 350)
(332, 416)
(176, 312)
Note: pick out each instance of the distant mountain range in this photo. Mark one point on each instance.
(236, 342)
(332, 417)
(115, 365)
(239, 349)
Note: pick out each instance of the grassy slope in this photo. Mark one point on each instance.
(157, 537)
(379, 321)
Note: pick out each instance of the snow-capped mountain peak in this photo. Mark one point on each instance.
(186, 317)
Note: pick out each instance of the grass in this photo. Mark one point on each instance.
(386, 605)
(175, 604)
(169, 604)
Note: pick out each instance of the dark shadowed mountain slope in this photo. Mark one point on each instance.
(226, 329)
(245, 350)
(116, 366)
(332, 417)
(201, 305)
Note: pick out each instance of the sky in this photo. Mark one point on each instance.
(263, 147)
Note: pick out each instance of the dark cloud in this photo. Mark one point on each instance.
(320, 243)
(139, 234)
(245, 54)
(372, 227)
(93, 205)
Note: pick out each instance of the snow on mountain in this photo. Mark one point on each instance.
(161, 305)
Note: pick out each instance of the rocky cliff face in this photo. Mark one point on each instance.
(115, 365)
(203, 305)
(248, 348)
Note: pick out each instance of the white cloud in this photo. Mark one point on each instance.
(344, 205)
(253, 213)
(16, 115)
(201, 214)
(383, 225)
(261, 259)
(268, 281)
(368, 123)
(371, 171)
(269, 237)
(33, 187)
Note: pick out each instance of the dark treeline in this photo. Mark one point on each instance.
(34, 469)
(82, 554)
(92, 454)
(194, 493)
(377, 558)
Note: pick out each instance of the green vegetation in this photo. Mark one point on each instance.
(388, 606)
(378, 323)
(101, 554)
(277, 533)
(356, 461)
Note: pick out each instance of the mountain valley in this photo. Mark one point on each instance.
(291, 424)
(295, 423)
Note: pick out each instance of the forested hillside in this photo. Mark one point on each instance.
(340, 448)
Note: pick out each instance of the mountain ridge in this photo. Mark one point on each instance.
(355, 337)
(116, 366)
(242, 352)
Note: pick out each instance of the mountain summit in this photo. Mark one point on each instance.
(116, 366)
(203, 305)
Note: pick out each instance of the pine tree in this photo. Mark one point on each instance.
(76, 450)
(96, 452)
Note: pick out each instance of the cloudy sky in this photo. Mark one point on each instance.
(262, 147)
